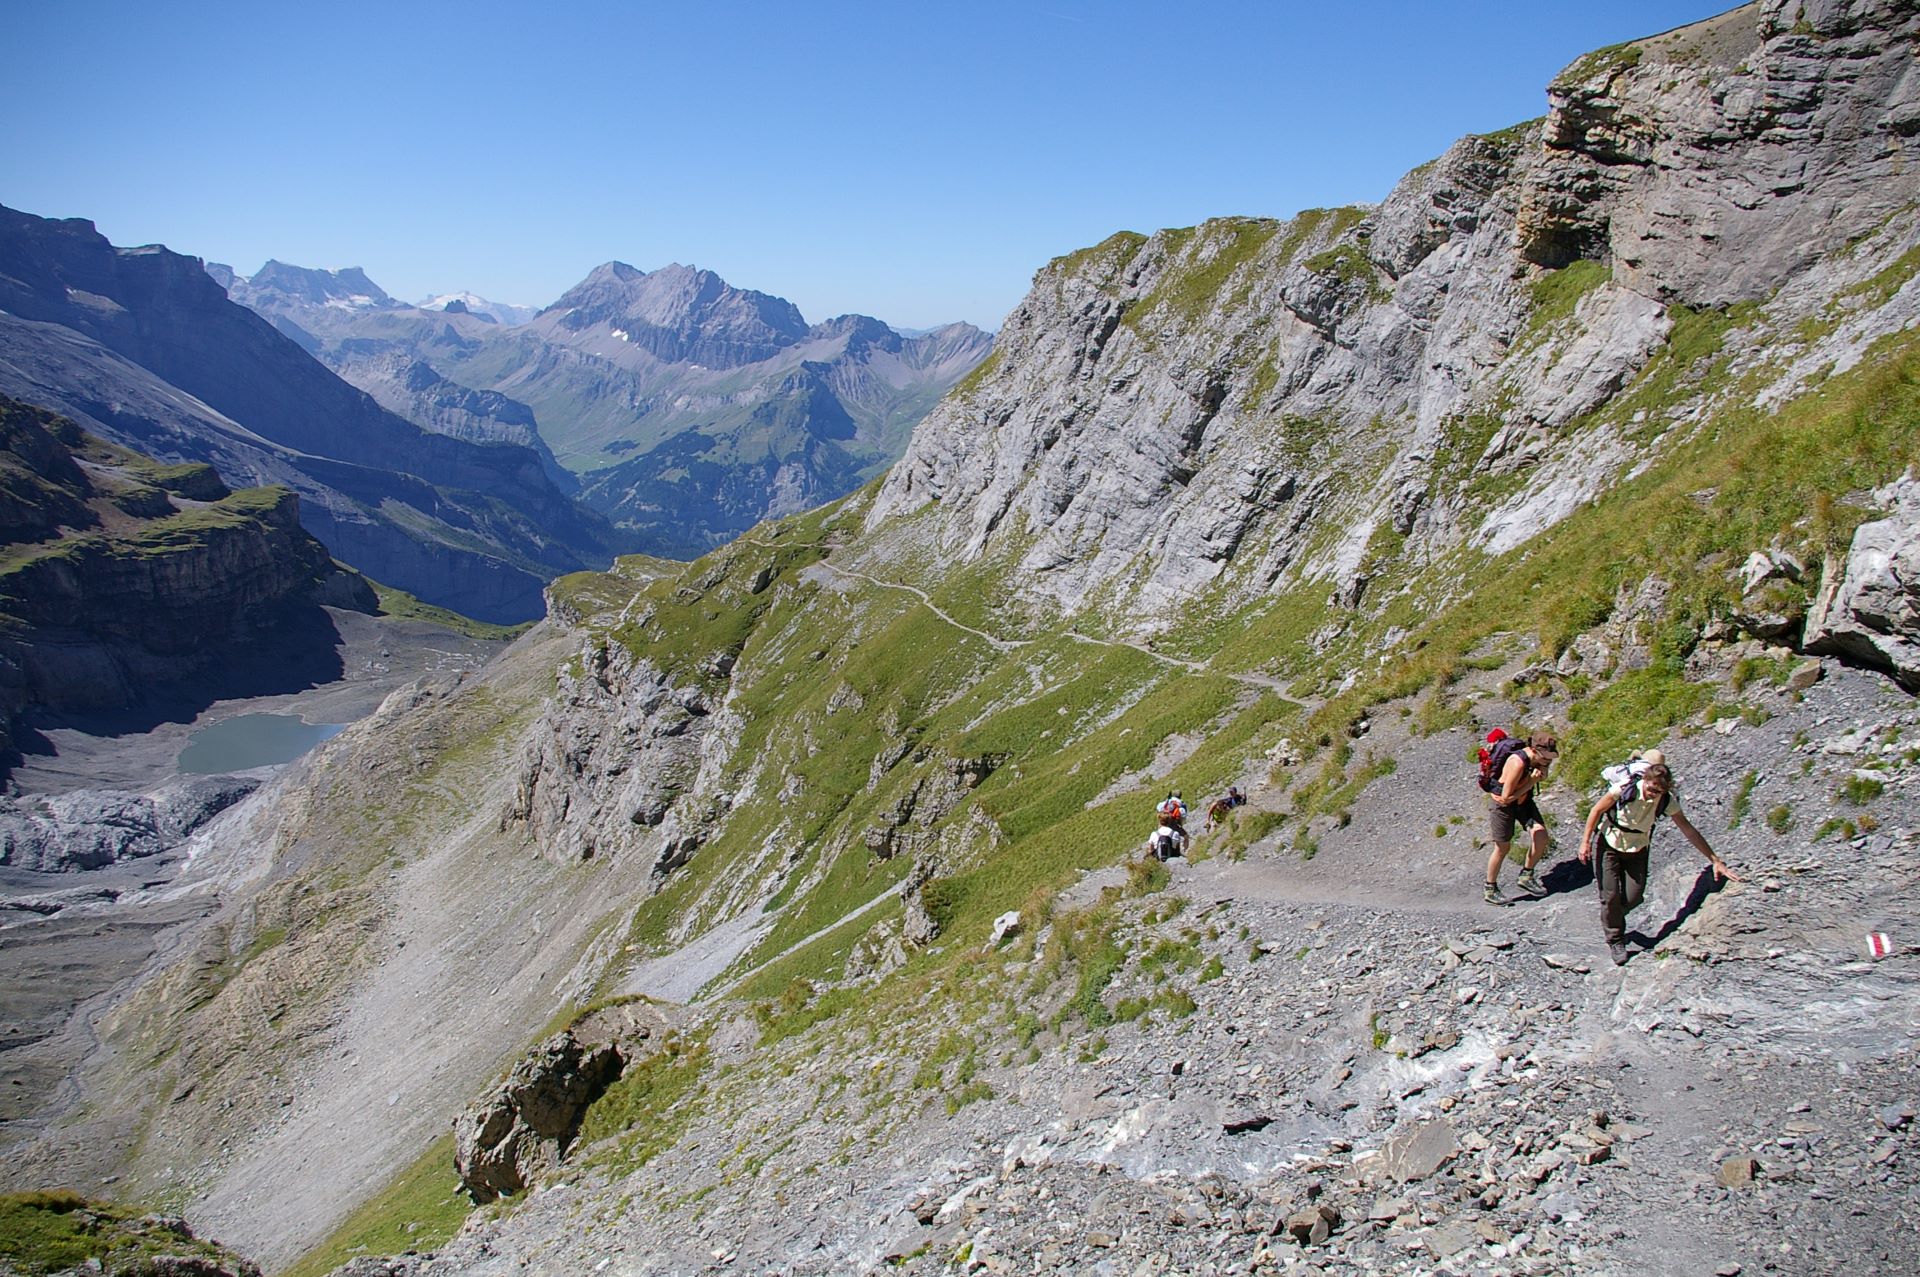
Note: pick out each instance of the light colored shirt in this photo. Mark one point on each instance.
(1631, 828)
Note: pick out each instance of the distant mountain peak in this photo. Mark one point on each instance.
(348, 287)
(678, 313)
(503, 313)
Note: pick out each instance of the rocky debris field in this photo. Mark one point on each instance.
(91, 828)
(1349, 1063)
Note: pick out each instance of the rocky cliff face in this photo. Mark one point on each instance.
(1170, 413)
(123, 578)
(1301, 507)
(619, 742)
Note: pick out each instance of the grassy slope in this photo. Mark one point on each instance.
(1066, 720)
(830, 671)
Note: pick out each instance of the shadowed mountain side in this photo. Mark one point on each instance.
(161, 312)
(146, 592)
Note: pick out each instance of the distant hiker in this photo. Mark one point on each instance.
(1223, 806)
(1172, 830)
(1638, 794)
(1517, 767)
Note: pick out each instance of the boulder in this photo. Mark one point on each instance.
(1421, 1151)
(1868, 607)
(526, 1124)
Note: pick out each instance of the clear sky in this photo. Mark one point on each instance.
(913, 161)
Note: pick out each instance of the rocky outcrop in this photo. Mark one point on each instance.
(89, 828)
(507, 1138)
(619, 742)
(1176, 414)
(1868, 607)
(123, 578)
(1713, 161)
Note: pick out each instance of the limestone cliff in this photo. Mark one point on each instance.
(122, 577)
(1199, 407)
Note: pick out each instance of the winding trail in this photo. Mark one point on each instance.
(721, 992)
(1266, 682)
(667, 976)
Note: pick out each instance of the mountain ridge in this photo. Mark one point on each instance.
(675, 362)
(1303, 507)
(484, 526)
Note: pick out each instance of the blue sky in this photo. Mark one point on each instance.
(912, 161)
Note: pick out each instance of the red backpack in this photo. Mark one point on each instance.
(1494, 755)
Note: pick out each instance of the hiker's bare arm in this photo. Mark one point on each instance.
(1513, 781)
(1700, 845)
(1600, 809)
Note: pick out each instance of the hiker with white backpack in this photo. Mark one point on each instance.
(1620, 831)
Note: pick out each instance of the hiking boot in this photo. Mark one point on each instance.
(1493, 896)
(1528, 883)
(1619, 950)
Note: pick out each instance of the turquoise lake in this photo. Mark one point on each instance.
(251, 740)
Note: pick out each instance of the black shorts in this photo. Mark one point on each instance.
(1502, 820)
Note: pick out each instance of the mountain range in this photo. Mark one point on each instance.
(687, 408)
(787, 910)
(142, 347)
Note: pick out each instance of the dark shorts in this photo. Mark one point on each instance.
(1502, 820)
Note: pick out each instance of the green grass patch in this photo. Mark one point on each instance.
(1349, 264)
(1217, 251)
(1176, 1004)
(58, 1231)
(1114, 252)
(1774, 670)
(403, 606)
(1608, 62)
(646, 1111)
(798, 1008)
(1557, 292)
(1743, 799)
(1861, 790)
(419, 1209)
(1632, 712)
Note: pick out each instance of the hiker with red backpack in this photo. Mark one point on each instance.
(1638, 794)
(1511, 772)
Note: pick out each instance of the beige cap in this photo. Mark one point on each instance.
(1653, 756)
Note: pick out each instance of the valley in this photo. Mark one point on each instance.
(786, 909)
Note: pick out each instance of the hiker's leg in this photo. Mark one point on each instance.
(1633, 880)
(1500, 834)
(1613, 904)
(1539, 851)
